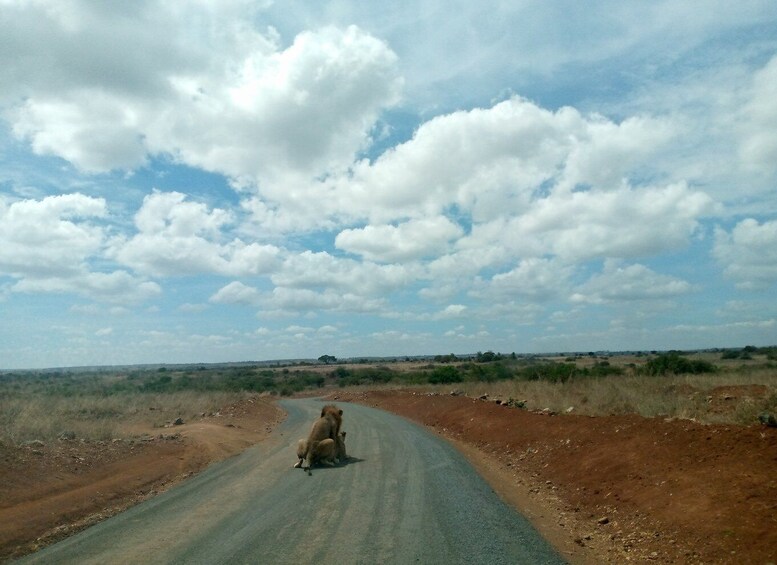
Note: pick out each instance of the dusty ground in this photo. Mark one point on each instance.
(618, 488)
(49, 492)
(605, 489)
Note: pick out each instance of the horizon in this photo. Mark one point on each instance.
(362, 359)
(247, 179)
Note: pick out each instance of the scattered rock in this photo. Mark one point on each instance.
(178, 422)
(570, 409)
(34, 443)
(768, 419)
(483, 397)
(512, 403)
(456, 392)
(67, 435)
(603, 520)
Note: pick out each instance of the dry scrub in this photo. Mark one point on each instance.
(97, 417)
(705, 398)
(680, 396)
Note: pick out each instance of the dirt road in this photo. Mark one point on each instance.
(405, 497)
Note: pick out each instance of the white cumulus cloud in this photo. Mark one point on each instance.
(749, 253)
(624, 283)
(177, 237)
(411, 240)
(217, 93)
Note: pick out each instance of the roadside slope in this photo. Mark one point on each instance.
(51, 491)
(618, 487)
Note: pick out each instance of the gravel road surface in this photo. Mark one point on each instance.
(405, 497)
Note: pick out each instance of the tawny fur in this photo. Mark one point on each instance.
(340, 454)
(328, 452)
(326, 427)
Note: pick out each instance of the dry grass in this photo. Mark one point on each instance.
(97, 417)
(705, 398)
(680, 396)
(35, 410)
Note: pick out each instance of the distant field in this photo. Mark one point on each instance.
(732, 386)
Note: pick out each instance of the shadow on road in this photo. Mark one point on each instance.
(349, 461)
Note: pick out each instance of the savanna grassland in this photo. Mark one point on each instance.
(695, 429)
(105, 404)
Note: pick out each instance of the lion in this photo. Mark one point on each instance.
(328, 452)
(340, 454)
(326, 427)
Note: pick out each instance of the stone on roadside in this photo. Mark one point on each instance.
(768, 419)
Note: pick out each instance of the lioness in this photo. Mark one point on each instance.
(327, 427)
(328, 452)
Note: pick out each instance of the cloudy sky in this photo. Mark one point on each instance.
(243, 180)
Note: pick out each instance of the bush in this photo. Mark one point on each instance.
(341, 373)
(603, 369)
(444, 375)
(674, 364)
(553, 372)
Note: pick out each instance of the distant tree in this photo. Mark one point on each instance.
(327, 359)
(486, 357)
(445, 358)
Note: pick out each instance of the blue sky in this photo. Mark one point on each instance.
(232, 180)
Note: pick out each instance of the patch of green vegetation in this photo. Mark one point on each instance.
(444, 375)
(672, 363)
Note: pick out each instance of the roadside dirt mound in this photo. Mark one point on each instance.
(50, 491)
(618, 488)
(727, 399)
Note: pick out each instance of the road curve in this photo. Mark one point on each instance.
(407, 497)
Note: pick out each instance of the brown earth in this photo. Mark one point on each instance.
(617, 488)
(602, 489)
(48, 492)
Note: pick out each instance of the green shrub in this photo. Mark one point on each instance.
(674, 364)
(603, 369)
(341, 373)
(552, 372)
(444, 375)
